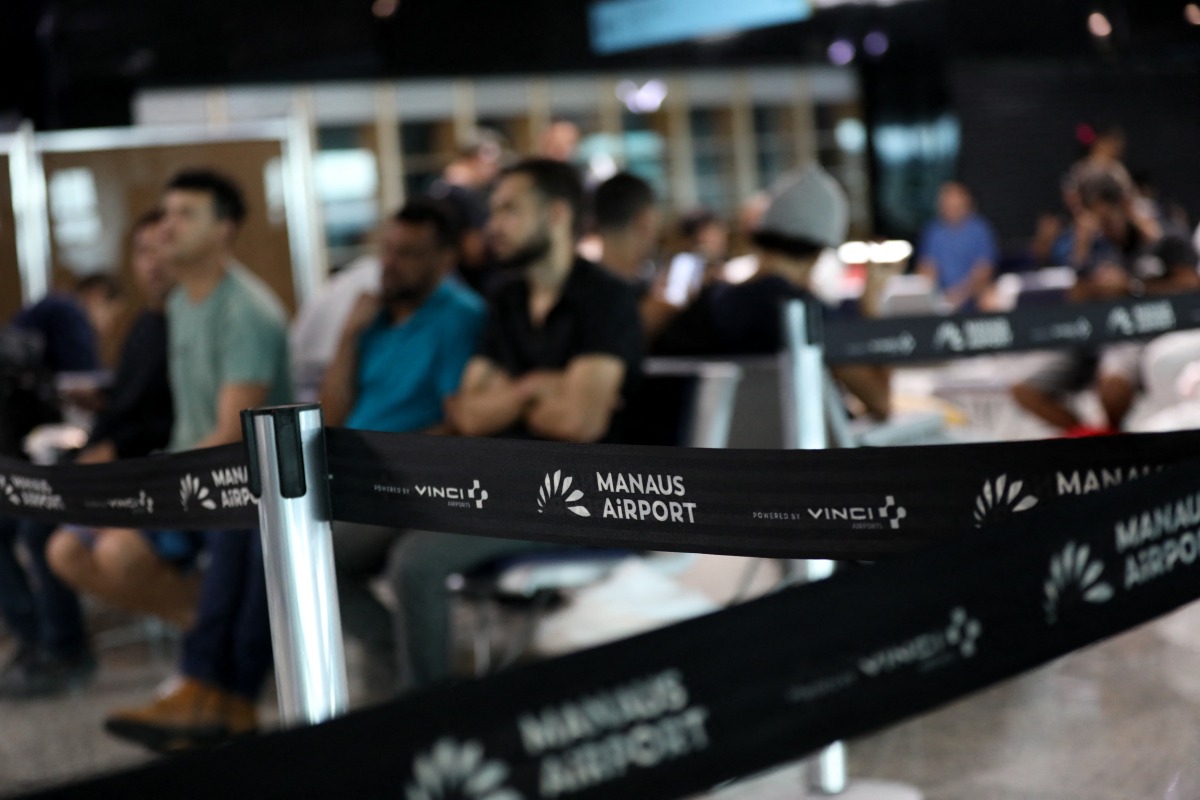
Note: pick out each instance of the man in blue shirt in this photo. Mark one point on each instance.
(958, 249)
(402, 351)
(400, 356)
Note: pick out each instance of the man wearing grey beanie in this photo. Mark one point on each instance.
(808, 213)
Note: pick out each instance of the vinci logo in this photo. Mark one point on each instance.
(190, 489)
(455, 496)
(142, 504)
(892, 512)
(453, 770)
(863, 516)
(901, 344)
(1001, 499)
(925, 651)
(556, 493)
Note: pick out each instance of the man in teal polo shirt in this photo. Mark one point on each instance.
(400, 356)
(227, 351)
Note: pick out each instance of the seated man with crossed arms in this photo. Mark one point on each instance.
(561, 352)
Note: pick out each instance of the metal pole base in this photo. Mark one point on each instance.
(874, 790)
(827, 770)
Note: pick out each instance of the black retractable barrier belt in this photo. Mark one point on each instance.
(199, 489)
(855, 504)
(938, 338)
(672, 712)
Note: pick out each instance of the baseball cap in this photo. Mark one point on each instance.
(808, 204)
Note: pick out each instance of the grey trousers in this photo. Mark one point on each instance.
(416, 565)
(360, 555)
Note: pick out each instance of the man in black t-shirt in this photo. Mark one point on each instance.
(559, 358)
(562, 343)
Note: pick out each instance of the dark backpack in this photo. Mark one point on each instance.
(28, 397)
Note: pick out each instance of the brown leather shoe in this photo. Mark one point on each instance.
(193, 715)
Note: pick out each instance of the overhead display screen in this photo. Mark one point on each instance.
(619, 25)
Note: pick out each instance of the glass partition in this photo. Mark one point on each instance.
(95, 195)
(347, 179)
(98, 182)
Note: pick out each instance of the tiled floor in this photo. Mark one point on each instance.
(1117, 721)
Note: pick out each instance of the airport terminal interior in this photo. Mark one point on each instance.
(868, 225)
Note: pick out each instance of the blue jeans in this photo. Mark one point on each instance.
(40, 609)
(230, 644)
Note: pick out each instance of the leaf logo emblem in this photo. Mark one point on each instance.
(556, 489)
(1074, 576)
(458, 770)
(999, 499)
(190, 489)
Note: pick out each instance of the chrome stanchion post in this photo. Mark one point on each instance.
(804, 370)
(713, 411)
(803, 396)
(805, 427)
(286, 453)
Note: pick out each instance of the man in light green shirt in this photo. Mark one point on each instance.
(227, 352)
(234, 338)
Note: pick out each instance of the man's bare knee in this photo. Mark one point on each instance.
(70, 558)
(125, 555)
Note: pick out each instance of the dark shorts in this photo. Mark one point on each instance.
(1068, 372)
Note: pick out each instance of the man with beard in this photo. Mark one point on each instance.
(560, 355)
(562, 344)
(400, 356)
(422, 319)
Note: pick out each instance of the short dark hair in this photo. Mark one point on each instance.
(100, 282)
(553, 180)
(228, 202)
(151, 217)
(619, 200)
(446, 222)
(695, 221)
